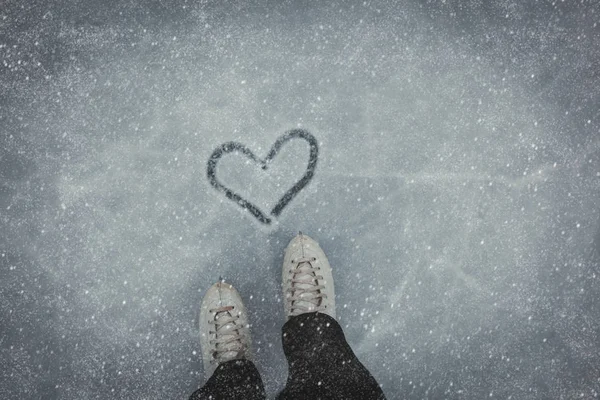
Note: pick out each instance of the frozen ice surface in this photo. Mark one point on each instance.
(456, 192)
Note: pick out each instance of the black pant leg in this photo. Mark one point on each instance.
(232, 380)
(321, 363)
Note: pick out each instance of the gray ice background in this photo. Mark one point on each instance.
(456, 194)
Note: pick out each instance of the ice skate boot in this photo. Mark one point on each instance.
(224, 328)
(307, 279)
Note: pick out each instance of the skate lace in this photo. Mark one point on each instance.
(228, 342)
(305, 291)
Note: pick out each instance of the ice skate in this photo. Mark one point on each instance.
(307, 279)
(224, 328)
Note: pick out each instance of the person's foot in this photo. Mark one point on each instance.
(224, 328)
(307, 279)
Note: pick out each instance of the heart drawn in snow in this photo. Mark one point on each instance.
(264, 163)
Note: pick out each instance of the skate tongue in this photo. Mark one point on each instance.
(229, 345)
(305, 273)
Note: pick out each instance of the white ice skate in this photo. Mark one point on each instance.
(224, 328)
(307, 279)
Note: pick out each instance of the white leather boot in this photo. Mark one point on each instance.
(307, 279)
(224, 328)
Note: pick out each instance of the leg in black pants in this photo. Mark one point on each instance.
(321, 363)
(321, 366)
(232, 380)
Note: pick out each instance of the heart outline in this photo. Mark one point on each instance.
(289, 195)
